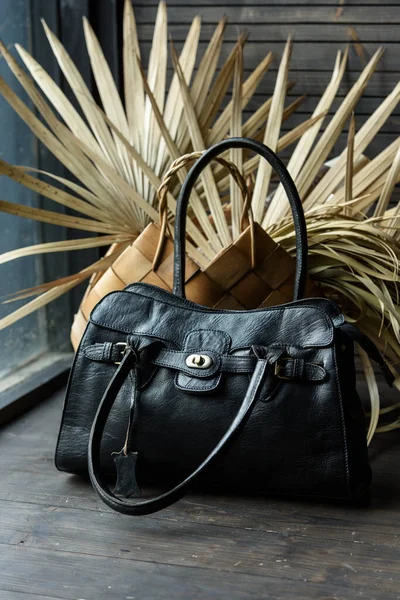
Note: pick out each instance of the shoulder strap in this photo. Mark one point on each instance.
(369, 347)
(291, 192)
(155, 504)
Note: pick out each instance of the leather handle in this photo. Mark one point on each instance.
(155, 504)
(369, 347)
(162, 193)
(289, 187)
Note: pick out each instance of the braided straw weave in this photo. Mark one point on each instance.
(252, 272)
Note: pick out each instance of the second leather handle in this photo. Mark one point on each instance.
(291, 192)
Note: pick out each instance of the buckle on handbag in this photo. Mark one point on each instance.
(279, 365)
(123, 350)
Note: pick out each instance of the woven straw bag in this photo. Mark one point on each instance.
(253, 271)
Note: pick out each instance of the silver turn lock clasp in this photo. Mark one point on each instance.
(199, 361)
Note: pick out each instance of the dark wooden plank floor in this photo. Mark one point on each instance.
(57, 540)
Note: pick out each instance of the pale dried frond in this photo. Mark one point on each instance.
(236, 154)
(116, 150)
(271, 134)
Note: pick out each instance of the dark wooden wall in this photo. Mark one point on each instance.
(320, 29)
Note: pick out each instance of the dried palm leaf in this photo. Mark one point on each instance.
(58, 290)
(350, 163)
(210, 187)
(278, 208)
(271, 134)
(236, 154)
(116, 152)
(328, 139)
(392, 179)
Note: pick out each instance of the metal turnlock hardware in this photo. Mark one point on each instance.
(199, 361)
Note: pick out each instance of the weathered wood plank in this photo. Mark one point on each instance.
(318, 56)
(31, 477)
(314, 82)
(365, 106)
(335, 32)
(11, 595)
(266, 3)
(294, 14)
(89, 577)
(391, 126)
(58, 540)
(260, 552)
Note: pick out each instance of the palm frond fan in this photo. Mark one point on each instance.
(119, 155)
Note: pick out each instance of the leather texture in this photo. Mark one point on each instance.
(155, 504)
(286, 368)
(299, 438)
(274, 411)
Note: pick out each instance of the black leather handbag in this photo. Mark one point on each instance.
(169, 392)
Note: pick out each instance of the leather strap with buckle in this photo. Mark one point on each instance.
(286, 368)
(297, 369)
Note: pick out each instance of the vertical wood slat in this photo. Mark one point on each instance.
(106, 20)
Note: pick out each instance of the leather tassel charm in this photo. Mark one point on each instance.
(126, 460)
(126, 485)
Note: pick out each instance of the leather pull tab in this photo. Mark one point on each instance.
(126, 485)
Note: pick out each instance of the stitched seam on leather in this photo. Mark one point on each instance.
(317, 373)
(344, 432)
(196, 376)
(195, 307)
(154, 334)
(224, 369)
(312, 372)
(187, 372)
(235, 358)
(132, 289)
(224, 334)
(246, 366)
(80, 351)
(216, 381)
(176, 351)
(192, 350)
(66, 397)
(300, 303)
(88, 350)
(249, 369)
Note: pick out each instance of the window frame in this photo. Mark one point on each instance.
(30, 383)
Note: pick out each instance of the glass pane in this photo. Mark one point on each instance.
(27, 338)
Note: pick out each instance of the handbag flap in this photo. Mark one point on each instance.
(147, 310)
